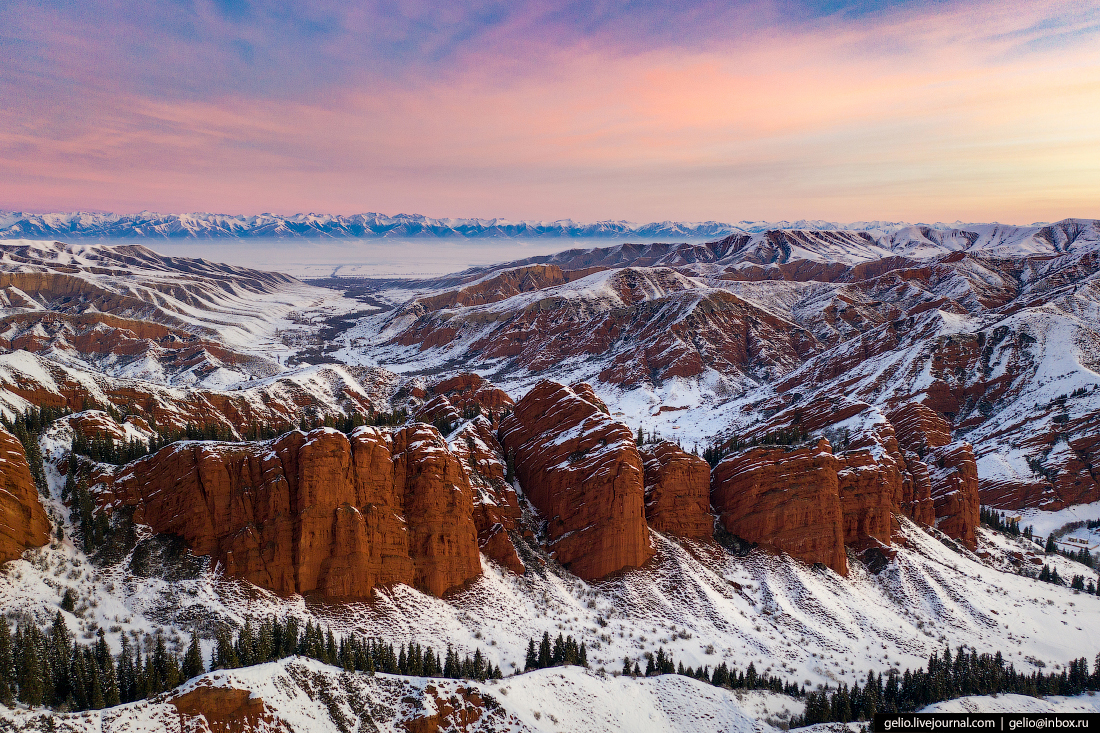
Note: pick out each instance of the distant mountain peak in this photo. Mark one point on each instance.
(204, 225)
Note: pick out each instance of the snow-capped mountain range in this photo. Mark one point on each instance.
(152, 225)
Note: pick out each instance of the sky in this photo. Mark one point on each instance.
(542, 109)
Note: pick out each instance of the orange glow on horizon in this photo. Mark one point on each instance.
(914, 117)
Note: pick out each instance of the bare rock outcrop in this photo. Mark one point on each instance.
(469, 391)
(224, 710)
(677, 492)
(786, 499)
(315, 513)
(496, 506)
(583, 473)
(23, 521)
(952, 470)
(867, 486)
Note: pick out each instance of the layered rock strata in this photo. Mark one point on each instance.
(906, 465)
(583, 473)
(952, 470)
(496, 506)
(23, 521)
(677, 492)
(315, 513)
(784, 498)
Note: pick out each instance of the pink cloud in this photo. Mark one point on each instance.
(909, 115)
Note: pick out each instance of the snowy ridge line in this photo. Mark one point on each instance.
(147, 224)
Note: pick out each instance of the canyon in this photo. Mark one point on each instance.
(714, 448)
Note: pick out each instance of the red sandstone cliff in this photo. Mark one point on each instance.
(952, 471)
(677, 492)
(867, 489)
(23, 522)
(319, 512)
(467, 391)
(496, 506)
(783, 498)
(583, 473)
(905, 465)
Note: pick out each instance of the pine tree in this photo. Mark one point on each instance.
(111, 693)
(68, 600)
(626, 667)
(80, 680)
(97, 700)
(7, 665)
(192, 661)
(544, 651)
(557, 656)
(60, 644)
(510, 468)
(246, 645)
(330, 648)
(31, 688)
(532, 657)
(225, 655)
(450, 667)
(721, 676)
(265, 642)
(127, 673)
(478, 671)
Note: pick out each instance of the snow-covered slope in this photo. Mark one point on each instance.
(301, 695)
(992, 328)
(1087, 703)
(702, 603)
(702, 341)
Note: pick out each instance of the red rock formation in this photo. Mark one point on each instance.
(507, 283)
(918, 428)
(916, 498)
(1020, 494)
(316, 512)
(457, 397)
(1077, 482)
(439, 410)
(276, 403)
(786, 499)
(23, 522)
(438, 507)
(655, 325)
(582, 471)
(225, 709)
(92, 335)
(585, 392)
(677, 492)
(867, 489)
(953, 473)
(496, 507)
